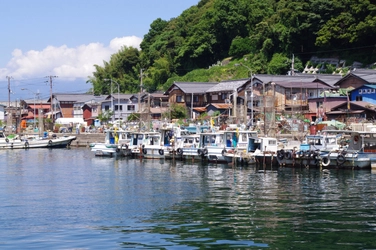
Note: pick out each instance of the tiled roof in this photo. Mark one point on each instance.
(309, 81)
(221, 105)
(120, 96)
(192, 87)
(76, 97)
(227, 85)
(200, 109)
(368, 75)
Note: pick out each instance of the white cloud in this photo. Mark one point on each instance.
(64, 61)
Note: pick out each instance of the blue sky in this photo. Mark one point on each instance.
(66, 38)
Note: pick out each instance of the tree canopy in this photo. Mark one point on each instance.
(267, 33)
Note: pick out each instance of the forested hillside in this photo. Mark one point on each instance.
(262, 34)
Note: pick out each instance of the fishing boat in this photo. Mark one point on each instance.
(264, 149)
(357, 150)
(146, 144)
(14, 141)
(333, 149)
(188, 148)
(211, 146)
(34, 141)
(116, 143)
(239, 153)
(309, 152)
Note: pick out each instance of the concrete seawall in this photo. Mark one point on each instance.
(84, 139)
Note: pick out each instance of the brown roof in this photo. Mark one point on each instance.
(200, 109)
(222, 105)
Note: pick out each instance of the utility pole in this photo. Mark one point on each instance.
(139, 94)
(9, 77)
(139, 102)
(51, 107)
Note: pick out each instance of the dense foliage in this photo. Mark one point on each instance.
(263, 35)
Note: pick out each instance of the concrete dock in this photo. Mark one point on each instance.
(84, 139)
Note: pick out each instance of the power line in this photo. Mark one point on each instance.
(335, 50)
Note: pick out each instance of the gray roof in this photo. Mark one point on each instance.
(368, 75)
(306, 80)
(192, 87)
(75, 97)
(227, 85)
(121, 96)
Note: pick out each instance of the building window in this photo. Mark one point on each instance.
(214, 97)
(359, 98)
(224, 96)
(131, 107)
(195, 98)
(118, 107)
(179, 98)
(106, 107)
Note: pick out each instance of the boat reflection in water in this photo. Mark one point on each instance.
(111, 203)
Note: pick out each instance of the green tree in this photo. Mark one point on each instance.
(176, 111)
(104, 117)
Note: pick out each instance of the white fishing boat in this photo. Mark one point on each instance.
(239, 153)
(14, 141)
(116, 143)
(146, 144)
(52, 141)
(264, 150)
(188, 148)
(211, 146)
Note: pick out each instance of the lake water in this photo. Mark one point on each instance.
(69, 199)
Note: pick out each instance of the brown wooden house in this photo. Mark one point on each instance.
(189, 94)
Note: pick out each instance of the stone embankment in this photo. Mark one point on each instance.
(84, 139)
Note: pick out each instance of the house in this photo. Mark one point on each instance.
(294, 94)
(63, 104)
(366, 92)
(230, 91)
(357, 78)
(352, 111)
(155, 104)
(2, 112)
(88, 107)
(189, 94)
(123, 105)
(223, 108)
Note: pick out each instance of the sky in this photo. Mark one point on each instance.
(64, 39)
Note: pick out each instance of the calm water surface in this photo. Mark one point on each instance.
(69, 199)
